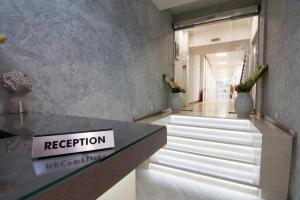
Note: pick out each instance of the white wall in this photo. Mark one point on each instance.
(181, 72)
(236, 75)
(209, 83)
(125, 188)
(254, 26)
(194, 78)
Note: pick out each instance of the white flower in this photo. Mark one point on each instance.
(16, 82)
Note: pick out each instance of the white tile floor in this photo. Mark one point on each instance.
(217, 108)
(155, 185)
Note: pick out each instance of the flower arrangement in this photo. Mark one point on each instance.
(172, 84)
(247, 85)
(2, 39)
(16, 82)
(18, 85)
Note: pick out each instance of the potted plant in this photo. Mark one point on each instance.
(176, 99)
(2, 39)
(243, 104)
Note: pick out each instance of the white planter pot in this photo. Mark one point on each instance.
(243, 104)
(176, 102)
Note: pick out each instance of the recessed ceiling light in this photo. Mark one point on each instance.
(222, 63)
(221, 54)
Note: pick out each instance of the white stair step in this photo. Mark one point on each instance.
(228, 151)
(234, 171)
(207, 179)
(226, 136)
(215, 145)
(207, 122)
(224, 163)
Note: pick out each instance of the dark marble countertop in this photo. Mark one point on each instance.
(22, 177)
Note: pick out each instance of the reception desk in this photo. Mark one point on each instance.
(88, 175)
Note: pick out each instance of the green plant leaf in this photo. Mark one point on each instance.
(172, 84)
(247, 85)
(2, 39)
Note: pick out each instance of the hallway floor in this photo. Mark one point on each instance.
(154, 185)
(216, 108)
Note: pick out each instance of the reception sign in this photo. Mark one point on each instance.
(51, 145)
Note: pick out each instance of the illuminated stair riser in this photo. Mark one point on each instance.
(221, 152)
(208, 180)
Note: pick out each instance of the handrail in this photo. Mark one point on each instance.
(243, 69)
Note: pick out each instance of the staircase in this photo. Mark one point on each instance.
(221, 152)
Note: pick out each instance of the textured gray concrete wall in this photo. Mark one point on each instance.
(262, 27)
(99, 58)
(281, 85)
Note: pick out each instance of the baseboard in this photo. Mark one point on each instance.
(152, 114)
(193, 102)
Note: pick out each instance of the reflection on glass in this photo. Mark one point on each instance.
(60, 163)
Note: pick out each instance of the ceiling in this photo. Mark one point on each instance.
(166, 4)
(223, 66)
(180, 6)
(226, 31)
(195, 5)
(220, 25)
